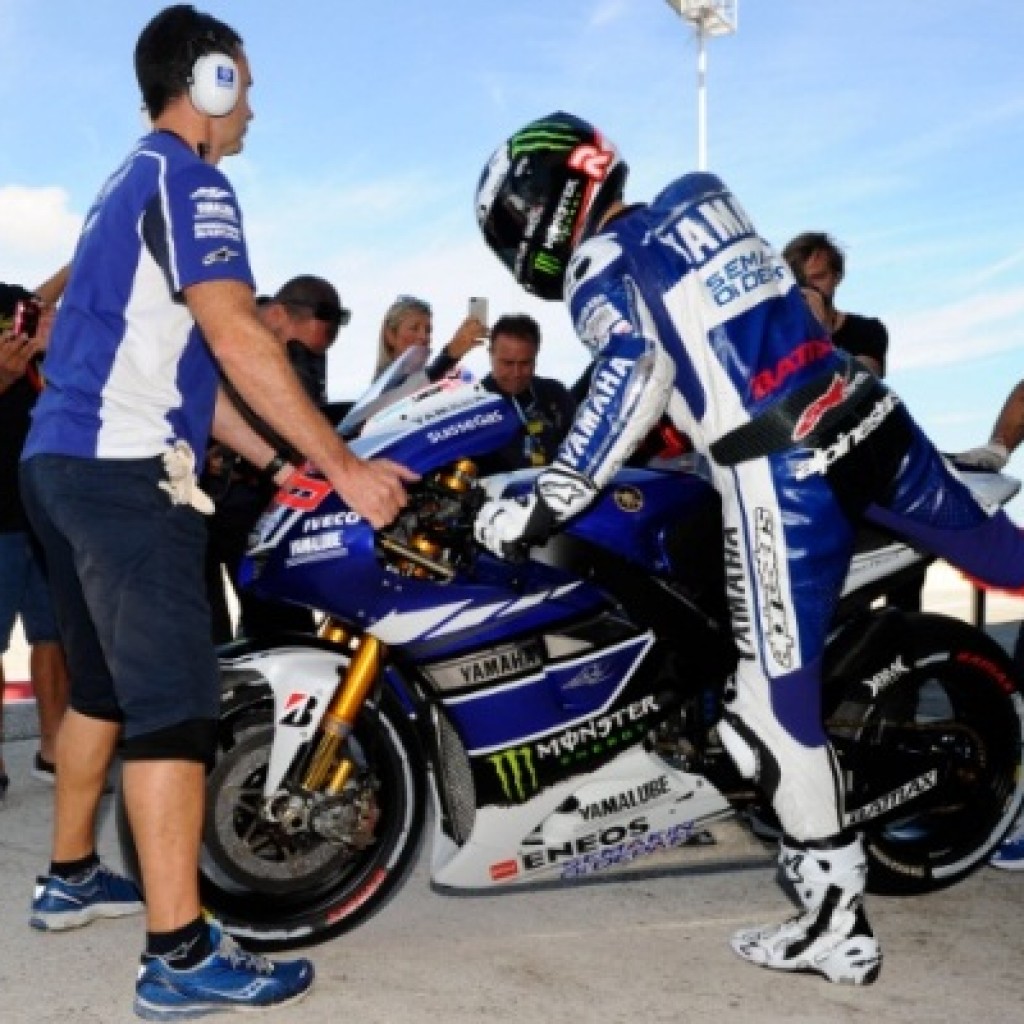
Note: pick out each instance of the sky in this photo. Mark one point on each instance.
(898, 127)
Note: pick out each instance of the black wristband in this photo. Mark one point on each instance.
(274, 466)
(440, 365)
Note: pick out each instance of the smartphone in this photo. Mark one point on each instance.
(26, 317)
(478, 308)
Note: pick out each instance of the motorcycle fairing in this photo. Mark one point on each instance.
(446, 428)
(492, 602)
(558, 698)
(298, 707)
(632, 807)
(635, 514)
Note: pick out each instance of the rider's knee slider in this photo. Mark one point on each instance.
(753, 759)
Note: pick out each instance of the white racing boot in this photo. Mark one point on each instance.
(832, 937)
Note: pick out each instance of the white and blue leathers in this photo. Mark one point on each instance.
(128, 371)
(690, 314)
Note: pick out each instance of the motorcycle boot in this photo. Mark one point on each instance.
(832, 936)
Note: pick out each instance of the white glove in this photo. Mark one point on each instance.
(181, 483)
(992, 456)
(508, 525)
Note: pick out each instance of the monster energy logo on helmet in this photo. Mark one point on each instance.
(541, 192)
(547, 134)
(516, 774)
(546, 263)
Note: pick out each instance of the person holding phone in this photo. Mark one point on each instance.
(23, 587)
(409, 321)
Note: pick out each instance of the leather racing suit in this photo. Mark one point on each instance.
(688, 312)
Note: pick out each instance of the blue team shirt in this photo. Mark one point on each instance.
(128, 372)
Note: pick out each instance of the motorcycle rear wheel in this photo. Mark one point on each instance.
(931, 751)
(275, 889)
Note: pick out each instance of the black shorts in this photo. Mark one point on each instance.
(126, 571)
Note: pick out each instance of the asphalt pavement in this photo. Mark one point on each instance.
(650, 949)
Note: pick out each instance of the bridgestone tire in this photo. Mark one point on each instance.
(930, 737)
(275, 890)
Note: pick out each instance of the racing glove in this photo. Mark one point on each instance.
(992, 456)
(508, 526)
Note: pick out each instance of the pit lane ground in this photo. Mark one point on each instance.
(647, 949)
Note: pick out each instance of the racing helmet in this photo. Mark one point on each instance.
(542, 193)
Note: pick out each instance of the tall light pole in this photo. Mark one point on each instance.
(709, 18)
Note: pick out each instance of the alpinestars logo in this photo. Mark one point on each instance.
(823, 458)
(776, 622)
(565, 493)
(834, 395)
(221, 255)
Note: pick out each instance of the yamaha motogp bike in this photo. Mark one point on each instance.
(557, 713)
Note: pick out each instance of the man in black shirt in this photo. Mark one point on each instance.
(543, 404)
(817, 262)
(305, 316)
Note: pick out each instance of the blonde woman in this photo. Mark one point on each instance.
(409, 322)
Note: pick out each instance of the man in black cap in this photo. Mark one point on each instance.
(305, 315)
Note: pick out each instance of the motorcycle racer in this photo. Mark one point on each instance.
(689, 313)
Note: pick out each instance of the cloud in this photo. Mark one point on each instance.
(996, 269)
(608, 11)
(38, 231)
(964, 331)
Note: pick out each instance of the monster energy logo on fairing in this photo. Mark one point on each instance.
(547, 135)
(516, 773)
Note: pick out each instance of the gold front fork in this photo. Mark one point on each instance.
(328, 772)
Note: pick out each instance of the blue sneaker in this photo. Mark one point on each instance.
(1009, 854)
(59, 904)
(228, 979)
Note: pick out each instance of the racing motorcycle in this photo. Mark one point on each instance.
(558, 712)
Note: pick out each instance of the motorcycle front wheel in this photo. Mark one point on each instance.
(929, 739)
(277, 885)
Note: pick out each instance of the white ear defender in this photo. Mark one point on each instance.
(214, 84)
